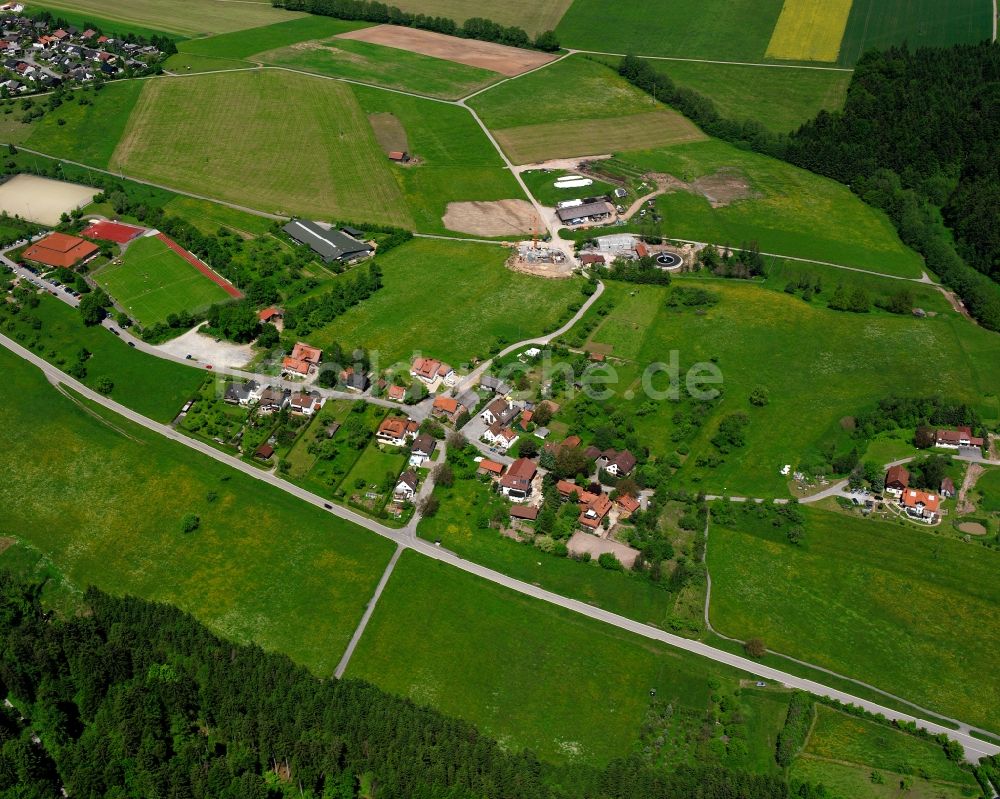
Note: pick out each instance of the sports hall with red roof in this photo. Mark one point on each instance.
(59, 250)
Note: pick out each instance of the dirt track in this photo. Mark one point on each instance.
(509, 61)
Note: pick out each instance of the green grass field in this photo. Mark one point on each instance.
(84, 18)
(541, 185)
(88, 133)
(780, 99)
(818, 365)
(876, 24)
(988, 486)
(152, 282)
(106, 508)
(839, 736)
(456, 162)
(12, 130)
(574, 88)
(151, 386)
(787, 210)
(208, 217)
(850, 781)
(189, 18)
(724, 30)
(242, 44)
(189, 63)
(305, 141)
(525, 672)
(909, 612)
(534, 16)
(451, 300)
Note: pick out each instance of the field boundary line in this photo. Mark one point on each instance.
(369, 610)
(714, 61)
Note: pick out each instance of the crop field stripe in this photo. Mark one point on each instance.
(809, 30)
(532, 143)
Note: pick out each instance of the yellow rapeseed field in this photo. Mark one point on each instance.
(809, 30)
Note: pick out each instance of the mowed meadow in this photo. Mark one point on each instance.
(526, 672)
(274, 141)
(104, 500)
(909, 612)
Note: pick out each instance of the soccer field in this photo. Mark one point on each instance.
(152, 282)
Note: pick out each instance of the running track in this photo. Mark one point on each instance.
(227, 287)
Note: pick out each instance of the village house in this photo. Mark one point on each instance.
(305, 404)
(242, 393)
(492, 468)
(897, 480)
(955, 439)
(406, 487)
(502, 438)
(430, 370)
(500, 411)
(264, 452)
(920, 505)
(396, 432)
(593, 507)
(495, 384)
(422, 450)
(618, 464)
(447, 408)
(273, 399)
(628, 505)
(947, 487)
(304, 360)
(516, 484)
(396, 393)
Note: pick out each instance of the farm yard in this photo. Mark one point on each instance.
(735, 197)
(484, 303)
(151, 282)
(320, 159)
(125, 535)
(912, 605)
(521, 669)
(42, 200)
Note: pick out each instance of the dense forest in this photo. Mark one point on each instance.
(919, 138)
(138, 699)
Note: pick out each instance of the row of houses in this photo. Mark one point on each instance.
(37, 56)
(272, 399)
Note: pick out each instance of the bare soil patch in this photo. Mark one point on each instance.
(963, 504)
(722, 188)
(585, 542)
(496, 218)
(972, 528)
(207, 350)
(389, 132)
(41, 199)
(6, 543)
(509, 61)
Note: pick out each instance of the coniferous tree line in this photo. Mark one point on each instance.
(135, 698)
(918, 138)
(480, 28)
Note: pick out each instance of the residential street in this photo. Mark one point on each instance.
(406, 538)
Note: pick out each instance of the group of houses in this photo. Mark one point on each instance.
(36, 55)
(303, 360)
(272, 399)
(395, 431)
(920, 505)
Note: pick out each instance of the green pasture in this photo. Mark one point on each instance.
(877, 24)
(152, 282)
(191, 18)
(451, 300)
(787, 210)
(152, 386)
(455, 162)
(242, 44)
(189, 63)
(918, 610)
(541, 184)
(818, 365)
(104, 500)
(305, 141)
(527, 673)
(12, 130)
(534, 16)
(87, 133)
(574, 88)
(377, 468)
(209, 217)
(988, 486)
(721, 30)
(84, 18)
(850, 781)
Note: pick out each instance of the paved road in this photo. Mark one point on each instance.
(407, 538)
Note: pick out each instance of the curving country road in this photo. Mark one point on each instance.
(407, 539)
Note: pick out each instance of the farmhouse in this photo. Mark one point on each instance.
(618, 464)
(516, 484)
(920, 505)
(329, 244)
(303, 360)
(406, 487)
(60, 251)
(897, 480)
(447, 408)
(955, 439)
(430, 370)
(422, 450)
(396, 432)
(597, 211)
